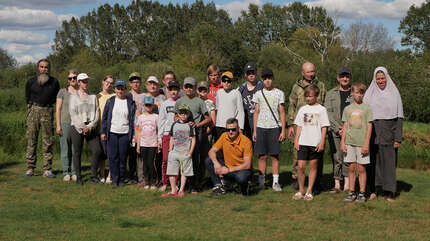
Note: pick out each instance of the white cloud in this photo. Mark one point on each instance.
(44, 4)
(13, 17)
(358, 9)
(21, 37)
(235, 8)
(29, 58)
(17, 48)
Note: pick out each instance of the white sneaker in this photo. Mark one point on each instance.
(162, 188)
(103, 180)
(66, 178)
(146, 187)
(153, 187)
(276, 187)
(74, 177)
(108, 181)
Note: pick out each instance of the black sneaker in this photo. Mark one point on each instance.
(218, 190)
(95, 180)
(351, 197)
(360, 198)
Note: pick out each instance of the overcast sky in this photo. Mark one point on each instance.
(27, 27)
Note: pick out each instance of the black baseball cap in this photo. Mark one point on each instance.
(344, 70)
(266, 72)
(173, 84)
(250, 66)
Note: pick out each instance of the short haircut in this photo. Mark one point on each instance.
(44, 60)
(169, 72)
(232, 121)
(73, 71)
(359, 86)
(312, 89)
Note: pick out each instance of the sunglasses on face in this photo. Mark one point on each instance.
(148, 105)
(226, 80)
(203, 89)
(231, 129)
(85, 81)
(72, 78)
(183, 112)
(187, 86)
(251, 72)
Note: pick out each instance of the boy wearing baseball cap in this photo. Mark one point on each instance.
(181, 147)
(199, 118)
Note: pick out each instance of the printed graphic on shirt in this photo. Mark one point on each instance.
(170, 109)
(147, 125)
(311, 119)
(356, 119)
(181, 133)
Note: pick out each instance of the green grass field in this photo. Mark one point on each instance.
(38, 208)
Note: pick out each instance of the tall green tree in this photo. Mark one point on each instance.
(6, 60)
(416, 27)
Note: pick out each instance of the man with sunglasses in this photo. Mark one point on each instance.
(228, 104)
(199, 118)
(247, 90)
(337, 99)
(235, 164)
(41, 94)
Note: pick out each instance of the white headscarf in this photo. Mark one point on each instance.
(387, 103)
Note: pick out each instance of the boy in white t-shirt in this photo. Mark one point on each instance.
(269, 127)
(312, 122)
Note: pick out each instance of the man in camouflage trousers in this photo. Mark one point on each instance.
(40, 94)
(297, 100)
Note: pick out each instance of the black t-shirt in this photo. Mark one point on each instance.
(43, 95)
(248, 105)
(344, 100)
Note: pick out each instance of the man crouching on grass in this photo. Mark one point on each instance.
(236, 162)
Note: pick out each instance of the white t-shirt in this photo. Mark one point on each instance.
(275, 97)
(119, 122)
(311, 119)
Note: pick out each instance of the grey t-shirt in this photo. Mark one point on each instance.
(181, 134)
(65, 114)
(197, 107)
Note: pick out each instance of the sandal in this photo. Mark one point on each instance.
(335, 190)
(298, 196)
(169, 194)
(309, 197)
(180, 194)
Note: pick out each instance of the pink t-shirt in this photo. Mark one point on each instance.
(147, 125)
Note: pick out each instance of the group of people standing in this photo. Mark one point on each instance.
(178, 132)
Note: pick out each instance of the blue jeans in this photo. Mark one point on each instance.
(241, 177)
(66, 150)
(117, 148)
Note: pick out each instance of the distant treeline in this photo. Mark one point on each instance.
(152, 38)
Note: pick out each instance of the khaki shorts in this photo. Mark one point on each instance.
(178, 161)
(353, 154)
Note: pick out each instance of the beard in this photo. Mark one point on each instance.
(42, 79)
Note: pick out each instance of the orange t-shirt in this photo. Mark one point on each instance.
(235, 151)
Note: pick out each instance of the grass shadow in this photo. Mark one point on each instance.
(403, 187)
(8, 164)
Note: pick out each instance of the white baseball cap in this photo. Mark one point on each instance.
(152, 79)
(82, 76)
